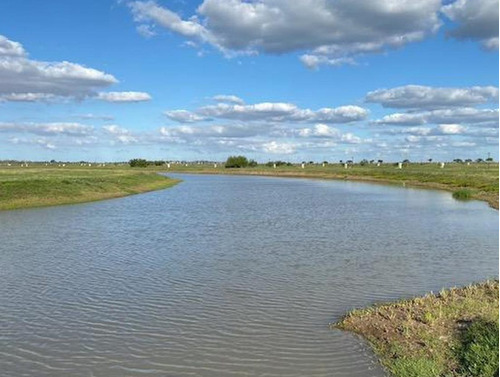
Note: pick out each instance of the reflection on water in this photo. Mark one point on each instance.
(225, 276)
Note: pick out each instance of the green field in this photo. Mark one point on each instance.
(476, 181)
(38, 185)
(450, 334)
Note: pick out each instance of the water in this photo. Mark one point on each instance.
(225, 276)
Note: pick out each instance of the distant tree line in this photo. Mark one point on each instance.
(142, 163)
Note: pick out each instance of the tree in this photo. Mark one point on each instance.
(489, 159)
(364, 162)
(236, 162)
(138, 163)
(252, 163)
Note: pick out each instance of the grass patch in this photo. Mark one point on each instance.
(463, 194)
(40, 186)
(478, 354)
(453, 333)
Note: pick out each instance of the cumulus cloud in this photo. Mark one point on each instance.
(451, 129)
(275, 147)
(228, 99)
(27, 80)
(333, 32)
(27, 97)
(217, 131)
(48, 129)
(123, 96)
(21, 76)
(271, 112)
(120, 134)
(184, 116)
(475, 20)
(426, 97)
(466, 115)
(36, 141)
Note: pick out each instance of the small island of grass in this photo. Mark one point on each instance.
(453, 333)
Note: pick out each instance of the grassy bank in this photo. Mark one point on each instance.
(23, 187)
(453, 333)
(475, 181)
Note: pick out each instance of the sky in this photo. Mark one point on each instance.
(320, 80)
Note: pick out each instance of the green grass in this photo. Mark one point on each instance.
(479, 180)
(462, 194)
(478, 353)
(38, 186)
(453, 333)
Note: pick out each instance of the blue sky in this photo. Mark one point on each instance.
(270, 79)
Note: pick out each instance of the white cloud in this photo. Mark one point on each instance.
(271, 112)
(279, 148)
(451, 129)
(120, 134)
(466, 115)
(123, 96)
(20, 75)
(26, 80)
(48, 129)
(146, 31)
(217, 131)
(333, 32)
(27, 97)
(314, 61)
(476, 20)
(9, 49)
(184, 116)
(228, 99)
(426, 97)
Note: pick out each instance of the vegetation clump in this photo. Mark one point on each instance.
(236, 162)
(479, 351)
(453, 333)
(462, 194)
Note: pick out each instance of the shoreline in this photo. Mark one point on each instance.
(46, 188)
(451, 333)
(492, 199)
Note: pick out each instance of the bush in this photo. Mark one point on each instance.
(278, 163)
(236, 162)
(479, 352)
(138, 163)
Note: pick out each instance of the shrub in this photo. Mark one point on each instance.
(479, 352)
(462, 194)
(236, 162)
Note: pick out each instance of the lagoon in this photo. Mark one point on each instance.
(226, 275)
